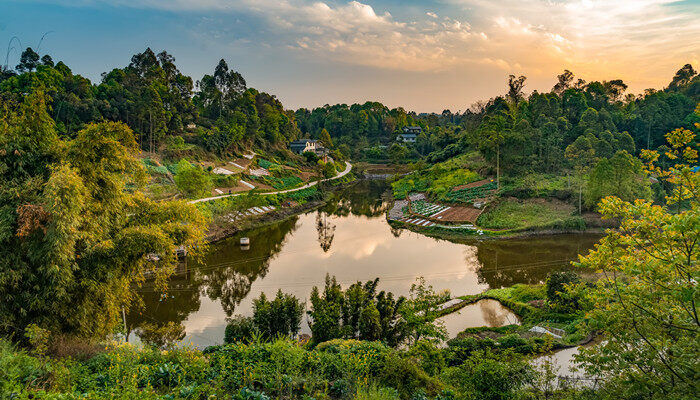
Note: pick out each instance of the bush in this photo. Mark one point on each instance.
(192, 181)
(279, 317)
(310, 157)
(329, 170)
(557, 293)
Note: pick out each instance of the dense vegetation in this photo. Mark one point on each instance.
(77, 236)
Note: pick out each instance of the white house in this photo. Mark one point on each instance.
(303, 145)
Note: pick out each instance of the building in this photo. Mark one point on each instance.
(323, 153)
(406, 137)
(413, 129)
(303, 145)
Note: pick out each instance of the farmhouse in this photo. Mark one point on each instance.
(406, 137)
(302, 145)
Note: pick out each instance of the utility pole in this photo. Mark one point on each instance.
(126, 332)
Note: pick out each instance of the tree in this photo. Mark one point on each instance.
(192, 180)
(581, 155)
(563, 82)
(646, 304)
(359, 312)
(279, 317)
(47, 60)
(621, 175)
(420, 312)
(515, 88)
(398, 153)
(494, 132)
(325, 138)
(28, 61)
(683, 77)
(558, 285)
(74, 242)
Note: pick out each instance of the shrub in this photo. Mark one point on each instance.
(239, 329)
(557, 293)
(192, 181)
(279, 317)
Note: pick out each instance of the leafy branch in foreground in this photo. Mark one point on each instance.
(76, 235)
(647, 302)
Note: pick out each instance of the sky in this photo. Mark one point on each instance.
(425, 56)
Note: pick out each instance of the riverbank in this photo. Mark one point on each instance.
(531, 222)
(223, 226)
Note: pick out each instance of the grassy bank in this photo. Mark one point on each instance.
(532, 214)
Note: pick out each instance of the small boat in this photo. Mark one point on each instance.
(245, 241)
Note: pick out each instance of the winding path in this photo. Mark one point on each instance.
(348, 168)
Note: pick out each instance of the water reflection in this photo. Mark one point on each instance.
(348, 238)
(503, 263)
(482, 313)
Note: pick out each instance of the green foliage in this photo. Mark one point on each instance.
(73, 240)
(356, 313)
(329, 170)
(310, 157)
(437, 181)
(240, 329)
(646, 303)
(467, 195)
(620, 176)
(510, 214)
(559, 294)
(192, 180)
(490, 377)
(279, 317)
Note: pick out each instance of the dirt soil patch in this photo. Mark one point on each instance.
(243, 162)
(471, 185)
(458, 214)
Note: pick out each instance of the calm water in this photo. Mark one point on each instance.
(351, 239)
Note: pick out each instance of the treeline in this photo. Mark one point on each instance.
(157, 101)
(533, 133)
(220, 113)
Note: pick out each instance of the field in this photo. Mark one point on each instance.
(530, 214)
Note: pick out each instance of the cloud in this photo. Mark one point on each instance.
(536, 37)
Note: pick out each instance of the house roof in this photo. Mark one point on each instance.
(407, 135)
(302, 142)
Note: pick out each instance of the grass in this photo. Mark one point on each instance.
(437, 181)
(525, 215)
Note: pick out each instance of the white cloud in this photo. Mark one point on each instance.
(536, 37)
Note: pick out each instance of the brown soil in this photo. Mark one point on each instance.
(243, 162)
(459, 214)
(473, 184)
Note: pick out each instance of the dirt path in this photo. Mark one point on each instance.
(348, 168)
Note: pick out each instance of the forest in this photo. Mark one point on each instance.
(81, 227)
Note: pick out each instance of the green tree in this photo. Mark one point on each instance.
(74, 242)
(398, 153)
(646, 304)
(620, 176)
(325, 138)
(279, 317)
(28, 61)
(420, 311)
(581, 156)
(192, 180)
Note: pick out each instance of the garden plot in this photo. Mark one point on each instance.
(249, 213)
(427, 209)
(427, 224)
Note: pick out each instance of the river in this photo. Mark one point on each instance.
(350, 239)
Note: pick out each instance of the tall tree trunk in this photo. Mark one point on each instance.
(580, 191)
(498, 167)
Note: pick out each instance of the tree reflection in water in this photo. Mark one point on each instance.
(503, 263)
(326, 231)
(227, 274)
